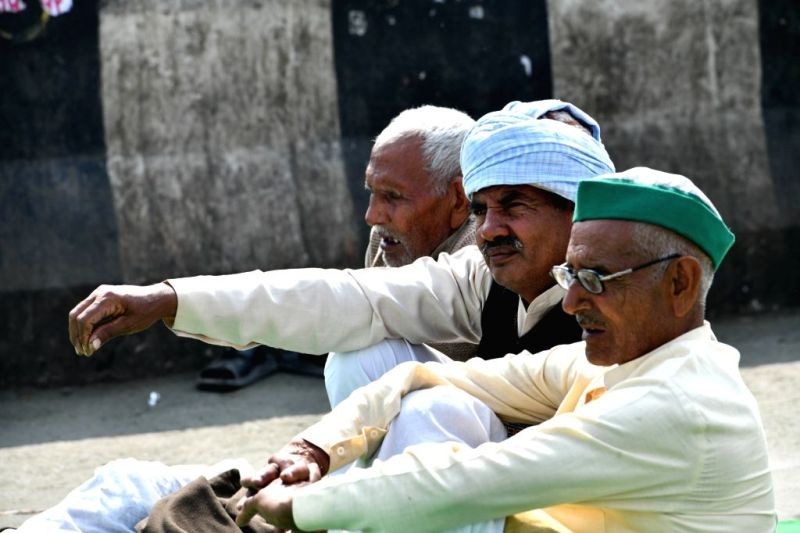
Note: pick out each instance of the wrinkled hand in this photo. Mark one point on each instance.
(271, 490)
(299, 461)
(114, 310)
(273, 503)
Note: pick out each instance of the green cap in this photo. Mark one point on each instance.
(667, 200)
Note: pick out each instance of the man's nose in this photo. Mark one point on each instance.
(575, 299)
(376, 212)
(494, 225)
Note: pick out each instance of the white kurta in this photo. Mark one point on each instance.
(674, 444)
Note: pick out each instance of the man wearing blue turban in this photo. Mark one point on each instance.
(521, 169)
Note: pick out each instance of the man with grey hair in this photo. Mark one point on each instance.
(417, 205)
(417, 208)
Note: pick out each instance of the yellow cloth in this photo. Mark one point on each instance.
(538, 519)
(535, 521)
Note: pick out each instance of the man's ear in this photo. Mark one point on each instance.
(458, 200)
(684, 274)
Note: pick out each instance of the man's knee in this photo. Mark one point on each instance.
(447, 413)
(347, 371)
(443, 403)
(379, 357)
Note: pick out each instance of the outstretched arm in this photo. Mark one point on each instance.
(321, 310)
(305, 310)
(114, 310)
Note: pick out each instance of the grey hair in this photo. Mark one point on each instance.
(441, 131)
(654, 242)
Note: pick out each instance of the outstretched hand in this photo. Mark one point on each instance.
(114, 310)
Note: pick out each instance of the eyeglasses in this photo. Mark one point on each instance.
(593, 281)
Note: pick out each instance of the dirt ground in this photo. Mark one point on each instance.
(51, 440)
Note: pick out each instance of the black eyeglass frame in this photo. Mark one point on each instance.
(564, 275)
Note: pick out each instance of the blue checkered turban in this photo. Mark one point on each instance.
(514, 147)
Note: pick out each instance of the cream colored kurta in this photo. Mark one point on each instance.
(317, 311)
(674, 444)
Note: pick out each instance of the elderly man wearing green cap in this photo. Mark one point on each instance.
(646, 425)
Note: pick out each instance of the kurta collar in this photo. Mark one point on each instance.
(527, 318)
(674, 348)
(448, 245)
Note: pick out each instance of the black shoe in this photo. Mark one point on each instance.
(236, 369)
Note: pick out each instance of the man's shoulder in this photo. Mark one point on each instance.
(695, 368)
(462, 237)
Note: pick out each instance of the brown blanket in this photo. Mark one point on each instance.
(202, 505)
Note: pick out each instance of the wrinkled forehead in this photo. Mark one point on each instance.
(602, 240)
(398, 161)
(500, 193)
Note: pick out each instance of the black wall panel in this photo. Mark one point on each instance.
(779, 26)
(57, 224)
(392, 55)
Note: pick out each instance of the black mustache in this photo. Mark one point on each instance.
(501, 241)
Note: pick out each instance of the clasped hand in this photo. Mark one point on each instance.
(270, 491)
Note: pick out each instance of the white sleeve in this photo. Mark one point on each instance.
(317, 310)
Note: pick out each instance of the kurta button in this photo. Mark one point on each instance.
(373, 434)
(340, 451)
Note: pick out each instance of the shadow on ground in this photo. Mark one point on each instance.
(36, 416)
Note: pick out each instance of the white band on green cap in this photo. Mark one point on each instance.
(667, 200)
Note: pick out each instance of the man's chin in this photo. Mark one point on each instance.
(598, 355)
(396, 260)
(504, 275)
(501, 260)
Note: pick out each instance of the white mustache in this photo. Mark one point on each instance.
(385, 234)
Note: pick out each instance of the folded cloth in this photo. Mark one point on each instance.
(202, 505)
